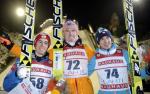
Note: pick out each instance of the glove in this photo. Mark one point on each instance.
(5, 40)
(51, 84)
(146, 58)
(56, 87)
(52, 88)
(60, 82)
(23, 72)
(60, 85)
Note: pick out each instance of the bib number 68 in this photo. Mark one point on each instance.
(38, 83)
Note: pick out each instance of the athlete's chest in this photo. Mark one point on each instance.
(75, 62)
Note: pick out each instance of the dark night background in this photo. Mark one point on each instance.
(94, 12)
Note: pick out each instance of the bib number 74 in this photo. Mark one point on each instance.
(112, 73)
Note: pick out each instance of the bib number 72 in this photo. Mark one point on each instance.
(73, 64)
(112, 73)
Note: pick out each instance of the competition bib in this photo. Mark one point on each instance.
(25, 87)
(112, 72)
(40, 76)
(75, 63)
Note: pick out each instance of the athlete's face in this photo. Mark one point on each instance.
(105, 42)
(41, 47)
(70, 33)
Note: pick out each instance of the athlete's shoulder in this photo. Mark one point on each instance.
(88, 48)
(89, 51)
(16, 50)
(50, 51)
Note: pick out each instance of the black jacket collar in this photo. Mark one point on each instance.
(39, 59)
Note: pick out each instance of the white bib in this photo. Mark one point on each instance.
(40, 76)
(112, 72)
(75, 63)
(25, 87)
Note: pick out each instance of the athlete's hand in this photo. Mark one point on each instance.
(146, 58)
(51, 84)
(56, 87)
(61, 84)
(5, 40)
(23, 72)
